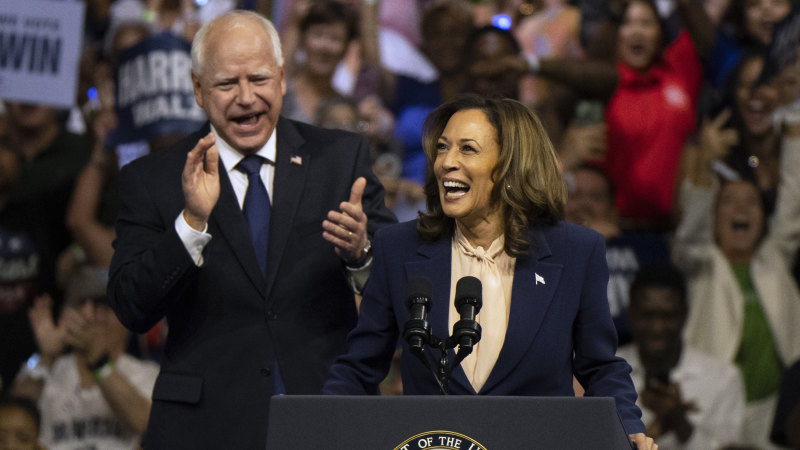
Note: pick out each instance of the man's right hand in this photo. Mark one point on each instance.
(200, 181)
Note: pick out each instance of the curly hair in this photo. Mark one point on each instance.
(527, 182)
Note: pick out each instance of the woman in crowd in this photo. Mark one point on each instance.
(652, 98)
(495, 200)
(747, 23)
(755, 152)
(325, 32)
(745, 304)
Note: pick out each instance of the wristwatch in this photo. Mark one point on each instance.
(366, 253)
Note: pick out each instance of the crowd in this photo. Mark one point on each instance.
(675, 123)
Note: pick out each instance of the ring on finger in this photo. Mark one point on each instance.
(349, 233)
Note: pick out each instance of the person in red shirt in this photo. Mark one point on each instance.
(650, 115)
(651, 93)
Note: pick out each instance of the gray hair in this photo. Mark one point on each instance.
(199, 42)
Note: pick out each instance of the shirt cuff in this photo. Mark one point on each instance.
(357, 276)
(194, 241)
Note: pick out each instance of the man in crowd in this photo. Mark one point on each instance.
(689, 400)
(250, 239)
(91, 393)
(591, 203)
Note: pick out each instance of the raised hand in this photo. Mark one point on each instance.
(83, 332)
(200, 181)
(49, 336)
(715, 140)
(346, 229)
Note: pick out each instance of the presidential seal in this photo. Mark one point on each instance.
(440, 440)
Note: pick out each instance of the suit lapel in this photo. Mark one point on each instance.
(228, 217)
(435, 266)
(535, 283)
(290, 178)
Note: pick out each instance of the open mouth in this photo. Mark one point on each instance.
(740, 225)
(455, 189)
(756, 114)
(638, 49)
(247, 119)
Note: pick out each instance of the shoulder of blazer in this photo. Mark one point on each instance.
(403, 233)
(569, 234)
(299, 133)
(561, 239)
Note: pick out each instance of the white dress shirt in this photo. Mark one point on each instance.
(195, 241)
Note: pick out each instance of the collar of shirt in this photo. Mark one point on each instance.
(231, 157)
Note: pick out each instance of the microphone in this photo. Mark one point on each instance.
(468, 302)
(417, 330)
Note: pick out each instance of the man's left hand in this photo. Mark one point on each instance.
(346, 229)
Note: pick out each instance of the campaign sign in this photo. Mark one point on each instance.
(154, 90)
(40, 45)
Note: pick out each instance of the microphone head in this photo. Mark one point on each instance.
(419, 290)
(469, 290)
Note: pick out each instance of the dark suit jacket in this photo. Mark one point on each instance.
(558, 326)
(228, 324)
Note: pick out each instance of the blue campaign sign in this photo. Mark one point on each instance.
(154, 90)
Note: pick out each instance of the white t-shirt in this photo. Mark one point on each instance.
(715, 387)
(74, 418)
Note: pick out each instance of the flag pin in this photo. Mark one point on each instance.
(297, 159)
(539, 279)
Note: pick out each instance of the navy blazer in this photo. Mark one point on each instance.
(558, 326)
(229, 324)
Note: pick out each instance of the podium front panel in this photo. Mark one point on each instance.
(333, 422)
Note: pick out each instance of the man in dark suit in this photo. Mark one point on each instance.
(248, 316)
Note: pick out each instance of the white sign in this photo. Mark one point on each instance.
(40, 47)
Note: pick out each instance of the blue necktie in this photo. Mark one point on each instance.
(256, 207)
(256, 211)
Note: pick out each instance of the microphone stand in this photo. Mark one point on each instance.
(440, 378)
(467, 329)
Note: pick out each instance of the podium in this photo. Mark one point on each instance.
(333, 422)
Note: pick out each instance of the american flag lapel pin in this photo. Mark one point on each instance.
(539, 279)
(296, 159)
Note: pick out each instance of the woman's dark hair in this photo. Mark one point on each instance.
(734, 22)
(527, 182)
(326, 12)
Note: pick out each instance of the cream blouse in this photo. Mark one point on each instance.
(495, 269)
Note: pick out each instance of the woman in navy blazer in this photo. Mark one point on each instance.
(493, 174)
